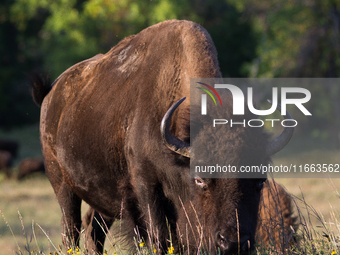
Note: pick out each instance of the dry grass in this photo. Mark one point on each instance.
(320, 193)
(36, 202)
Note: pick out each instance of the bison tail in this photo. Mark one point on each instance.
(40, 87)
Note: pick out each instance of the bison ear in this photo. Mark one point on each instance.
(200, 183)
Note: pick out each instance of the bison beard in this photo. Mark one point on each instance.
(100, 134)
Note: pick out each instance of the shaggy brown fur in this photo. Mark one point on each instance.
(277, 225)
(29, 166)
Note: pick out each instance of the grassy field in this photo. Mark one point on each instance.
(29, 208)
(35, 201)
(320, 193)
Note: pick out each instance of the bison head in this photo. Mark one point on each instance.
(219, 215)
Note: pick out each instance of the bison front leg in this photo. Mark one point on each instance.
(96, 227)
(159, 219)
(70, 205)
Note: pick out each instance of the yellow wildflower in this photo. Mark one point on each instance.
(141, 244)
(69, 251)
(105, 252)
(171, 250)
(333, 253)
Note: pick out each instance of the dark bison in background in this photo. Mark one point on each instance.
(9, 145)
(29, 166)
(101, 140)
(6, 161)
(8, 152)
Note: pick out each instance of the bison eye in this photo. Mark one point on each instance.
(200, 183)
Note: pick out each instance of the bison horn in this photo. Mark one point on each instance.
(171, 141)
(281, 141)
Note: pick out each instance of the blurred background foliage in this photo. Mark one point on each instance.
(254, 38)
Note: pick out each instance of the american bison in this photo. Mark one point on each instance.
(101, 139)
(29, 166)
(6, 161)
(11, 146)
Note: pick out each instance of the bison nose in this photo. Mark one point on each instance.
(227, 246)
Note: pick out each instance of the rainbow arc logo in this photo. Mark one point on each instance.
(209, 93)
(204, 97)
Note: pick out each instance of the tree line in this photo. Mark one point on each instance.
(254, 38)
